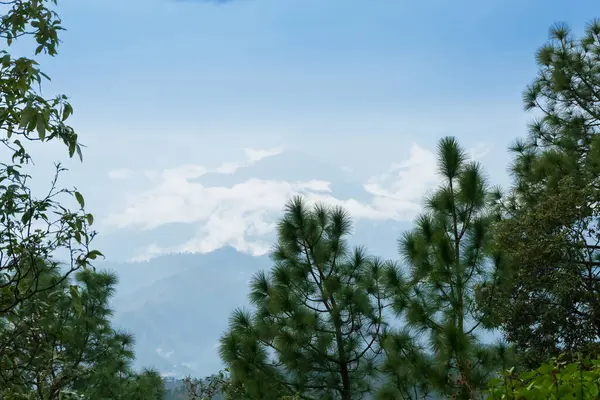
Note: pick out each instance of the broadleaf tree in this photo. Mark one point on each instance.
(318, 316)
(34, 227)
(214, 387)
(547, 300)
(45, 237)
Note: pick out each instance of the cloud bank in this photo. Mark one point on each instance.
(245, 214)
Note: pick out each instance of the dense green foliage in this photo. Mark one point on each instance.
(556, 379)
(56, 341)
(448, 253)
(318, 313)
(31, 227)
(329, 321)
(525, 263)
(59, 348)
(547, 302)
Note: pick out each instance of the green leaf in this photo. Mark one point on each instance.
(27, 215)
(74, 290)
(26, 116)
(593, 387)
(6, 60)
(80, 199)
(67, 110)
(78, 306)
(72, 149)
(92, 255)
(90, 219)
(41, 126)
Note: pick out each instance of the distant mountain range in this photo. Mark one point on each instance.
(178, 305)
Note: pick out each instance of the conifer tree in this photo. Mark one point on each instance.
(447, 254)
(547, 300)
(59, 348)
(318, 318)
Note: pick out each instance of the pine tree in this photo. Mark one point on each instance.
(407, 368)
(59, 348)
(448, 253)
(547, 299)
(318, 317)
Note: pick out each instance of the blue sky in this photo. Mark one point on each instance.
(166, 92)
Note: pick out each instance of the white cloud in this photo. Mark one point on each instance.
(149, 252)
(254, 155)
(188, 171)
(251, 156)
(227, 168)
(479, 151)
(245, 214)
(189, 365)
(121, 173)
(407, 181)
(151, 174)
(192, 171)
(163, 353)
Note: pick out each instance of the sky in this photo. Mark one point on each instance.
(176, 99)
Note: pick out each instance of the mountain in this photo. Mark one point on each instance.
(177, 306)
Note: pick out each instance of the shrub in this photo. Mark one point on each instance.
(556, 379)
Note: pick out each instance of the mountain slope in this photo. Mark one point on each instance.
(177, 306)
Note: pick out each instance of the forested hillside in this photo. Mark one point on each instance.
(494, 292)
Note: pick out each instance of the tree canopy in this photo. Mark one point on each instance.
(328, 321)
(318, 314)
(59, 348)
(56, 340)
(547, 302)
(446, 256)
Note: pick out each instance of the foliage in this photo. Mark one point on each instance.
(556, 379)
(214, 387)
(47, 342)
(527, 262)
(34, 228)
(546, 299)
(318, 314)
(59, 348)
(448, 253)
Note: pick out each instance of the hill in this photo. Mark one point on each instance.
(178, 305)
